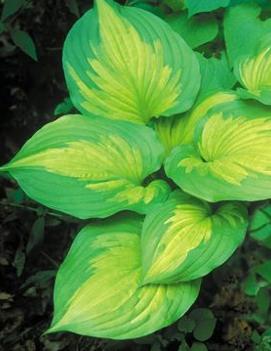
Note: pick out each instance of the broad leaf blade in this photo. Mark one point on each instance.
(223, 162)
(98, 287)
(254, 72)
(90, 167)
(186, 238)
(128, 64)
(243, 30)
(248, 46)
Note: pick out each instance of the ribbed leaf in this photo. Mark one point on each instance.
(248, 46)
(98, 287)
(90, 167)
(254, 73)
(125, 63)
(230, 158)
(186, 238)
(179, 129)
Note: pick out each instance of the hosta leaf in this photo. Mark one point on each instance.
(179, 129)
(243, 29)
(252, 59)
(216, 75)
(230, 158)
(187, 238)
(254, 73)
(196, 30)
(197, 6)
(125, 63)
(90, 167)
(98, 289)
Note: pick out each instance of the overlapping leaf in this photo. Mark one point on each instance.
(252, 59)
(196, 30)
(128, 64)
(187, 238)
(90, 167)
(180, 129)
(230, 157)
(197, 6)
(98, 288)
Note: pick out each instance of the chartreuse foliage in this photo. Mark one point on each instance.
(99, 290)
(90, 167)
(128, 65)
(147, 102)
(186, 238)
(252, 59)
(222, 162)
(180, 129)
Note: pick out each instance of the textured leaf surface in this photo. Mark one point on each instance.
(128, 64)
(196, 30)
(180, 129)
(252, 59)
(98, 287)
(230, 157)
(90, 167)
(254, 73)
(186, 238)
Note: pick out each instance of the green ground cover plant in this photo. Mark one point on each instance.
(167, 152)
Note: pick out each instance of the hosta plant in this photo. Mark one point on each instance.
(163, 154)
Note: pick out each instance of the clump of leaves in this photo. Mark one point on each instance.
(146, 101)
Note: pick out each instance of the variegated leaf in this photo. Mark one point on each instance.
(187, 238)
(98, 289)
(90, 167)
(230, 157)
(125, 63)
(248, 44)
(180, 129)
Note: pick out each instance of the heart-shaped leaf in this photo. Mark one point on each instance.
(186, 238)
(122, 62)
(98, 288)
(90, 167)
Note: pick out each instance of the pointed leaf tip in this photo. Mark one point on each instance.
(90, 167)
(98, 289)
